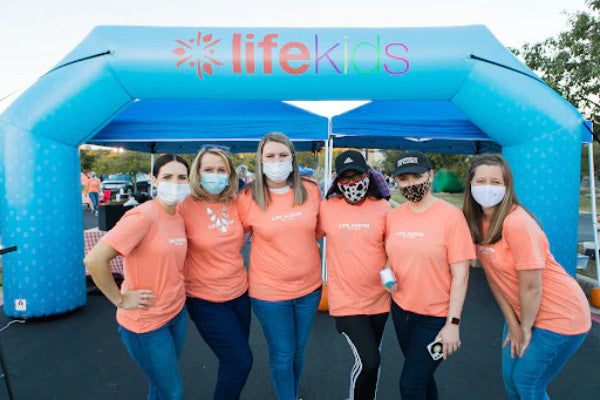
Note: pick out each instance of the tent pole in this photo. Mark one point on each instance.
(325, 185)
(593, 202)
(151, 169)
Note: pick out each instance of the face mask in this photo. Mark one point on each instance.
(487, 195)
(415, 193)
(278, 171)
(172, 193)
(355, 192)
(214, 183)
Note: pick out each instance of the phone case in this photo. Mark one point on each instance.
(436, 349)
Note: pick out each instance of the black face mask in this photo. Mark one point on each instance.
(415, 193)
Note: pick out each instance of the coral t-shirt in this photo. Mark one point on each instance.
(93, 185)
(214, 267)
(420, 247)
(563, 308)
(355, 255)
(284, 257)
(154, 247)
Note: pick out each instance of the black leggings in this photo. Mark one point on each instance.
(363, 333)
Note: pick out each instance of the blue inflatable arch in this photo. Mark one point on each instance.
(539, 132)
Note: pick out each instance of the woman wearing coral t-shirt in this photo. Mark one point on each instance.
(353, 219)
(215, 277)
(281, 209)
(151, 302)
(547, 314)
(429, 247)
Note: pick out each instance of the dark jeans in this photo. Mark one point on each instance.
(286, 325)
(157, 353)
(363, 333)
(225, 327)
(415, 332)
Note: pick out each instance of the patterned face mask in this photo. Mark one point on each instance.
(415, 193)
(355, 192)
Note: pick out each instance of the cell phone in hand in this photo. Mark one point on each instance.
(436, 349)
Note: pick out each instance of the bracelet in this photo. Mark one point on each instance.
(455, 321)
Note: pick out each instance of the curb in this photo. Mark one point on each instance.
(586, 283)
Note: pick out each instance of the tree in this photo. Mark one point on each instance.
(570, 64)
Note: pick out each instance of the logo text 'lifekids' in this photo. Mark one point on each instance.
(263, 55)
(296, 58)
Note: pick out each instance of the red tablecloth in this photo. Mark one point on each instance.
(90, 238)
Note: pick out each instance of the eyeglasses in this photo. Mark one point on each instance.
(346, 179)
(207, 147)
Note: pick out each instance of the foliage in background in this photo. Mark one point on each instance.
(570, 64)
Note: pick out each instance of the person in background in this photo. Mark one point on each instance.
(429, 247)
(547, 315)
(381, 183)
(151, 302)
(93, 189)
(215, 276)
(281, 209)
(84, 179)
(352, 217)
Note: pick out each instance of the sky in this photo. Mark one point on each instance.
(36, 34)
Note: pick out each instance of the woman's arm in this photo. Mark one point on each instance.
(450, 333)
(97, 263)
(530, 295)
(514, 336)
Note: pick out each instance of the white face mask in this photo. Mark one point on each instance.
(278, 171)
(172, 193)
(487, 195)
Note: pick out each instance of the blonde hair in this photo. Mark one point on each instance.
(473, 211)
(260, 191)
(198, 192)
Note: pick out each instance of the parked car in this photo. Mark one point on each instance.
(123, 183)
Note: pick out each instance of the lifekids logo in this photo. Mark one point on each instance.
(196, 51)
(266, 54)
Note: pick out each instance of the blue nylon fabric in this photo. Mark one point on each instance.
(184, 125)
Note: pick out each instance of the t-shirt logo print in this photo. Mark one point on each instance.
(202, 46)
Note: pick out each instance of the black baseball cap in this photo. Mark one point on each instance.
(350, 159)
(412, 162)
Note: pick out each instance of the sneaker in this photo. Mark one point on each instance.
(96, 213)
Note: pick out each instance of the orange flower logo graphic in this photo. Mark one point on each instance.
(198, 50)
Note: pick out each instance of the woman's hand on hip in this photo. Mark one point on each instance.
(137, 299)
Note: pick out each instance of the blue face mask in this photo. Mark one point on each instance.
(214, 183)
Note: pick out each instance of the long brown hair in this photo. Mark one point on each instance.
(260, 191)
(198, 192)
(473, 211)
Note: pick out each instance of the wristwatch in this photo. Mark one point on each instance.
(455, 321)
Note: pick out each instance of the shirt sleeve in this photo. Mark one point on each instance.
(458, 239)
(129, 231)
(526, 241)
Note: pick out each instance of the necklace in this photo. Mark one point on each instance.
(219, 222)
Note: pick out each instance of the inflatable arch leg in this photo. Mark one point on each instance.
(40, 213)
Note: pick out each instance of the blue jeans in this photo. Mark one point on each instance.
(414, 332)
(286, 325)
(526, 378)
(225, 327)
(94, 198)
(157, 353)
